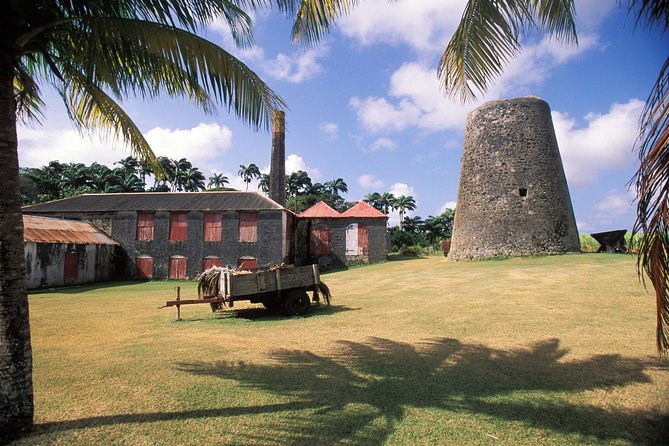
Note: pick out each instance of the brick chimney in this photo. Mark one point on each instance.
(277, 172)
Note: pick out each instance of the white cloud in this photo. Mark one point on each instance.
(605, 143)
(616, 204)
(330, 131)
(370, 182)
(297, 67)
(383, 144)
(39, 146)
(447, 205)
(296, 162)
(398, 189)
(424, 25)
(200, 145)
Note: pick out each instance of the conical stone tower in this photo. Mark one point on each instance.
(513, 198)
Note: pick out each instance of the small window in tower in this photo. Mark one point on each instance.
(522, 192)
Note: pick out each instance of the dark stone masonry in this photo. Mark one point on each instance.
(513, 198)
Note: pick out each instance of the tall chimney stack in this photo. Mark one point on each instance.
(277, 170)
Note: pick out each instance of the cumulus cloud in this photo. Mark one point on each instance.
(295, 162)
(297, 67)
(604, 143)
(398, 189)
(423, 26)
(616, 206)
(383, 144)
(370, 182)
(447, 205)
(200, 145)
(330, 131)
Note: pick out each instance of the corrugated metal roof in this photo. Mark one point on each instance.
(363, 210)
(320, 210)
(159, 201)
(54, 230)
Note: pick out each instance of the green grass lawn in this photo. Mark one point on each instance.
(551, 350)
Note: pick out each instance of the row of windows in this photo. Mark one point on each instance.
(212, 230)
(177, 265)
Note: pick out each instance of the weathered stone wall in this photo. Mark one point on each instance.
(377, 242)
(513, 198)
(269, 249)
(45, 264)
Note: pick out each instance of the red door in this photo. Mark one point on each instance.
(247, 263)
(71, 265)
(177, 267)
(143, 267)
(210, 261)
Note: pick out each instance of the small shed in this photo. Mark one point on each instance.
(62, 252)
(330, 238)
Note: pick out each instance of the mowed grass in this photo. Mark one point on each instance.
(548, 350)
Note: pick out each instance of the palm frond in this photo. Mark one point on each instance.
(652, 185)
(314, 18)
(146, 59)
(487, 38)
(90, 107)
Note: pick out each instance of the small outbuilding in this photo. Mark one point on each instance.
(64, 252)
(330, 238)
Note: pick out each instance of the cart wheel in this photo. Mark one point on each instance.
(297, 302)
(273, 304)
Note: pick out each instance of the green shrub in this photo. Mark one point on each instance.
(589, 244)
(413, 251)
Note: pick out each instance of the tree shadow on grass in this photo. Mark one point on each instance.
(362, 392)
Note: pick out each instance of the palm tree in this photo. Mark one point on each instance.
(336, 186)
(129, 164)
(248, 173)
(387, 202)
(404, 203)
(193, 180)
(218, 180)
(263, 184)
(95, 53)
(373, 199)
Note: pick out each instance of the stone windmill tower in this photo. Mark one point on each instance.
(513, 198)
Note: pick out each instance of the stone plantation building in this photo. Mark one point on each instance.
(178, 235)
(358, 235)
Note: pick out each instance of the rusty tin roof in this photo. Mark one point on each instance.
(55, 230)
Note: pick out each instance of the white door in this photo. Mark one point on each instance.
(352, 240)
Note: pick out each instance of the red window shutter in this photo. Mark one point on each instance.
(212, 227)
(177, 267)
(178, 226)
(363, 239)
(145, 225)
(144, 267)
(247, 263)
(71, 265)
(320, 241)
(210, 261)
(248, 226)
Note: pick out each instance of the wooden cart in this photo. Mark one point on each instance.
(283, 287)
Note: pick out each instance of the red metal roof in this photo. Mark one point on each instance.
(363, 210)
(320, 210)
(55, 230)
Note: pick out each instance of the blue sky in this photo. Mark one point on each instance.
(365, 105)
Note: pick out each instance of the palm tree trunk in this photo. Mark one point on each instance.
(16, 391)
